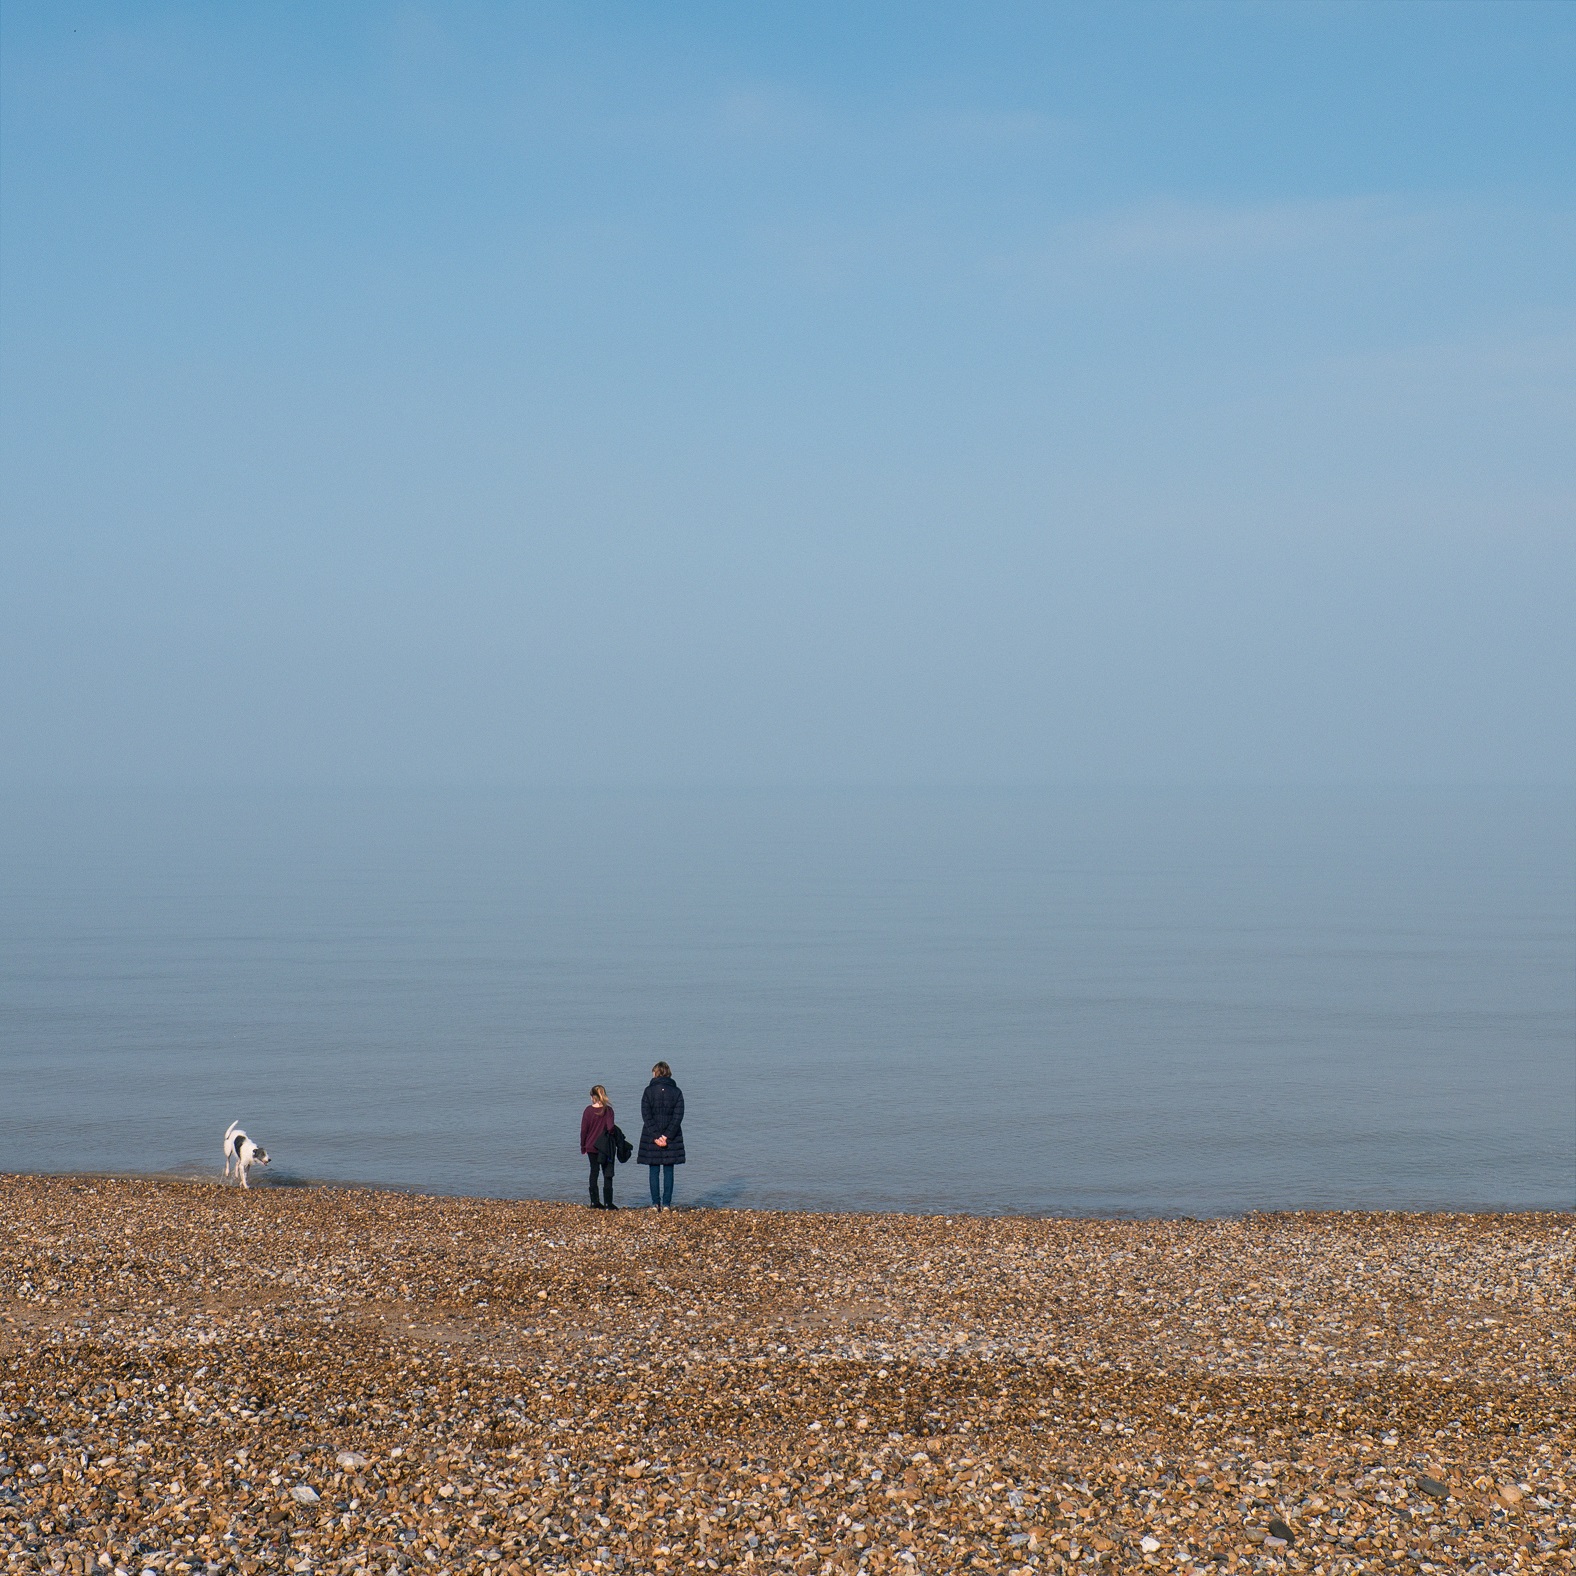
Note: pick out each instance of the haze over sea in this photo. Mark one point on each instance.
(1073, 1002)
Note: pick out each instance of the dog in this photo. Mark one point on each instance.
(240, 1149)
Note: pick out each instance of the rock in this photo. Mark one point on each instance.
(304, 1494)
(668, 1418)
(1434, 1488)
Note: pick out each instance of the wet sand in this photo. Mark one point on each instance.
(196, 1378)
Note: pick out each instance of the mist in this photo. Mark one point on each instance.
(477, 396)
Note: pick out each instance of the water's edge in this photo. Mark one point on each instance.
(1309, 1213)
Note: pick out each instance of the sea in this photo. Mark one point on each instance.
(1082, 1003)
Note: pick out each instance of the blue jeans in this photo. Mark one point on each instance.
(664, 1174)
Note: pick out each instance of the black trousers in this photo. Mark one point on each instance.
(606, 1168)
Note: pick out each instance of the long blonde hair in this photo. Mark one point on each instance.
(598, 1095)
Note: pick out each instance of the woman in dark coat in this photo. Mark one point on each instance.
(662, 1132)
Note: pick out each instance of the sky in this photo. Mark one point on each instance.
(530, 394)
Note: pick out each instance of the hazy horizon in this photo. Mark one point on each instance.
(1200, 1003)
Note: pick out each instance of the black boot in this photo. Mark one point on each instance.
(596, 1203)
(607, 1191)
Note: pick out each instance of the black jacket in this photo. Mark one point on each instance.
(662, 1112)
(613, 1145)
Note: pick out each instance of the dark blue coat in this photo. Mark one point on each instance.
(662, 1111)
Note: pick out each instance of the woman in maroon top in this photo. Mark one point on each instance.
(596, 1126)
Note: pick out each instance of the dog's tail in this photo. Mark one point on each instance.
(231, 1131)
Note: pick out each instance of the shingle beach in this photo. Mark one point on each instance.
(193, 1378)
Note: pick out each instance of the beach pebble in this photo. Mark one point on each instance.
(828, 1393)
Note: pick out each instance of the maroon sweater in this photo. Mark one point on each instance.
(595, 1120)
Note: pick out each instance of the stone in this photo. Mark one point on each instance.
(668, 1418)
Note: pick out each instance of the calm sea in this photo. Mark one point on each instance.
(1127, 1003)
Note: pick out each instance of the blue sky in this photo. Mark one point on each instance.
(799, 394)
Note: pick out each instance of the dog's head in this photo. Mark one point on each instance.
(259, 1157)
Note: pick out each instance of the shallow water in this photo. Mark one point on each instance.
(1069, 1003)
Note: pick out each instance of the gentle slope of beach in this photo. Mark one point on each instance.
(199, 1378)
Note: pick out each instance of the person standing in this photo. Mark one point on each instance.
(596, 1142)
(662, 1133)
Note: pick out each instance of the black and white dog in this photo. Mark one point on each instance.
(239, 1148)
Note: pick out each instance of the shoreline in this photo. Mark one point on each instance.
(263, 1181)
(529, 1386)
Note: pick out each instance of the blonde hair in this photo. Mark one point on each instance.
(662, 1070)
(599, 1093)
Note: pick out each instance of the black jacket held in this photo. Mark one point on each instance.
(613, 1145)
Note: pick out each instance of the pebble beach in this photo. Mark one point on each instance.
(194, 1378)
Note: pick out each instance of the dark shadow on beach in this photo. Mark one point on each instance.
(722, 1195)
